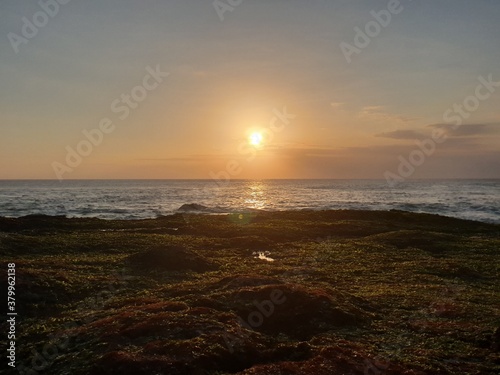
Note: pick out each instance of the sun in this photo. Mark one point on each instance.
(256, 139)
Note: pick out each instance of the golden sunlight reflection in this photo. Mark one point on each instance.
(257, 198)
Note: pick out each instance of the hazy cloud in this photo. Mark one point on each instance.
(336, 105)
(379, 113)
(401, 134)
(468, 130)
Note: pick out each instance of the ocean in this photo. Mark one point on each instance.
(139, 199)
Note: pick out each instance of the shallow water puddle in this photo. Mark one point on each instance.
(263, 255)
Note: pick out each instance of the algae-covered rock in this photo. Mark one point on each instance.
(171, 258)
(294, 310)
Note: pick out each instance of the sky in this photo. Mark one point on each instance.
(175, 89)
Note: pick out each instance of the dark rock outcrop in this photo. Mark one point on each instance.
(171, 258)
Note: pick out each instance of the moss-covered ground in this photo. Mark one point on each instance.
(347, 292)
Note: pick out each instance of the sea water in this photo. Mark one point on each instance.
(135, 199)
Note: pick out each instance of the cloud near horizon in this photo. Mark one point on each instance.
(468, 130)
(450, 131)
(401, 134)
(343, 162)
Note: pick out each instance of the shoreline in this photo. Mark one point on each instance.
(216, 212)
(34, 218)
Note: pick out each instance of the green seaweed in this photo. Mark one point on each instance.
(366, 292)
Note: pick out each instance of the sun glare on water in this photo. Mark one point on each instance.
(255, 139)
